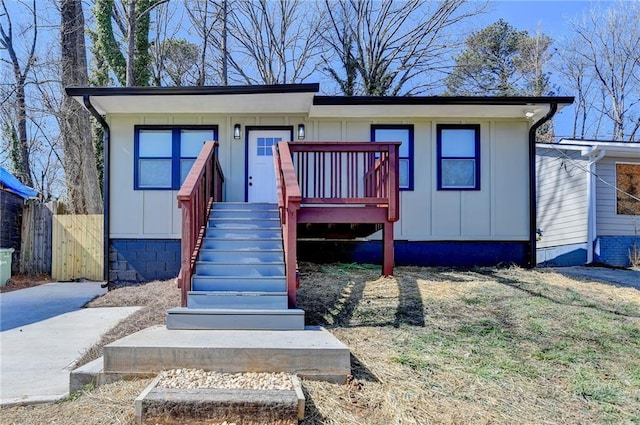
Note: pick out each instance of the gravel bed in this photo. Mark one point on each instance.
(197, 378)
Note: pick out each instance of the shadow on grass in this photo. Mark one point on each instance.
(361, 372)
(410, 306)
(521, 286)
(330, 296)
(312, 415)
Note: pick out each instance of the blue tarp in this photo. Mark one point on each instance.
(13, 184)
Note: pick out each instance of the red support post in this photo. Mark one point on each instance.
(387, 249)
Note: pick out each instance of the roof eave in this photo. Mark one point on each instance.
(192, 91)
(441, 100)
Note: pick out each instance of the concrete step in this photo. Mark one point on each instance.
(253, 284)
(240, 300)
(239, 270)
(245, 214)
(311, 353)
(250, 206)
(244, 223)
(213, 232)
(242, 244)
(242, 256)
(282, 319)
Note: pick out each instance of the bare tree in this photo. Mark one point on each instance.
(393, 47)
(83, 188)
(605, 49)
(575, 72)
(21, 69)
(209, 21)
(278, 39)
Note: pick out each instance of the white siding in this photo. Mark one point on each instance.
(510, 180)
(499, 211)
(562, 210)
(154, 213)
(608, 222)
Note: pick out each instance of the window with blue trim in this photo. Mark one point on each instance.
(458, 157)
(164, 155)
(398, 133)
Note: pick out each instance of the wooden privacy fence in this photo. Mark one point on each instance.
(77, 249)
(35, 246)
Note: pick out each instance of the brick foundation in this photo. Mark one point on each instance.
(133, 261)
(614, 250)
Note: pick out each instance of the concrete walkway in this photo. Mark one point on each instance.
(36, 359)
(31, 305)
(618, 277)
(44, 330)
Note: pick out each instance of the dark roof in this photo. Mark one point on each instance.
(198, 90)
(440, 100)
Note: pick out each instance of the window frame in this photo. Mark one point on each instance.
(175, 152)
(410, 158)
(617, 185)
(476, 157)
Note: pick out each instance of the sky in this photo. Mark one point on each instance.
(551, 18)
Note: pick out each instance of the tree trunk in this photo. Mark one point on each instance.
(225, 51)
(79, 156)
(131, 39)
(24, 168)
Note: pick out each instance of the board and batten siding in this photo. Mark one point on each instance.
(154, 214)
(562, 205)
(498, 211)
(608, 221)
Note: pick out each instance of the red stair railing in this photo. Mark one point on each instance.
(288, 203)
(201, 188)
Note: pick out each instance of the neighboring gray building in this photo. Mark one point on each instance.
(587, 202)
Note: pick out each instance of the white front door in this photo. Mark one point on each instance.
(261, 178)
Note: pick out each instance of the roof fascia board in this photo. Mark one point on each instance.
(439, 100)
(559, 146)
(192, 91)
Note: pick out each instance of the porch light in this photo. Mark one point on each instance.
(300, 131)
(529, 114)
(236, 131)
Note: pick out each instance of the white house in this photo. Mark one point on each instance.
(467, 167)
(588, 202)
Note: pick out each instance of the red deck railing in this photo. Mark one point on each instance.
(201, 188)
(336, 182)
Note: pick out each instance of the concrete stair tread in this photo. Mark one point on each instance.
(238, 293)
(228, 238)
(254, 317)
(250, 262)
(245, 204)
(240, 250)
(236, 311)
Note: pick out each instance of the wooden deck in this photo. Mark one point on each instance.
(336, 182)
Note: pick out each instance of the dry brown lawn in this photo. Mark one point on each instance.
(435, 346)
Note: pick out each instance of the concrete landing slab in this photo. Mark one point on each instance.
(36, 359)
(312, 353)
